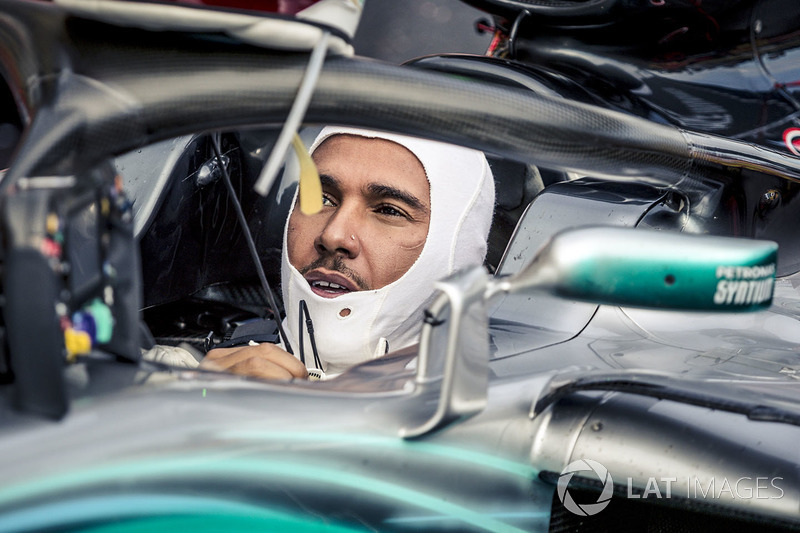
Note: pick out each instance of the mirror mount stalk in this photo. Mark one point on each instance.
(457, 323)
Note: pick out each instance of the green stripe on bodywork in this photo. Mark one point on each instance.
(203, 467)
(415, 447)
(215, 524)
(157, 512)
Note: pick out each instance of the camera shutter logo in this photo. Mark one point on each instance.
(585, 509)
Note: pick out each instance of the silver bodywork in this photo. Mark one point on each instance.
(472, 429)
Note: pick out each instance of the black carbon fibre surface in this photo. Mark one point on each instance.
(149, 86)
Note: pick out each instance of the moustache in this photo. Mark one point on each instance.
(336, 264)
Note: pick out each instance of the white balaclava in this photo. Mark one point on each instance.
(462, 205)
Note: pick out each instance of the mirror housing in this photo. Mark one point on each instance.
(652, 269)
(605, 265)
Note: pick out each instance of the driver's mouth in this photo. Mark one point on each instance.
(328, 289)
(329, 284)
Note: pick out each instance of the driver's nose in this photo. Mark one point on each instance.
(340, 235)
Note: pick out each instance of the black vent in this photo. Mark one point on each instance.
(635, 516)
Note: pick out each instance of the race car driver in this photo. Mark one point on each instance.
(398, 214)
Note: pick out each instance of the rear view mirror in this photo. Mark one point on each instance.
(605, 265)
(652, 269)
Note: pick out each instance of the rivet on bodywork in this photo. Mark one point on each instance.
(769, 201)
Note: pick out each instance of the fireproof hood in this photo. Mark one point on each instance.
(390, 318)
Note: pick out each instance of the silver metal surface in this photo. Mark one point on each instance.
(673, 452)
(464, 336)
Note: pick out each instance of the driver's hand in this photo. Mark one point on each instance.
(266, 361)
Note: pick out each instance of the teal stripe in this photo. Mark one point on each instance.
(136, 510)
(214, 524)
(201, 467)
(519, 469)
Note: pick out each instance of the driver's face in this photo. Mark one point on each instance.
(374, 219)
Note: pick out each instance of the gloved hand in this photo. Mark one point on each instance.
(171, 355)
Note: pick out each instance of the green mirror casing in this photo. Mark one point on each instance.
(654, 269)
